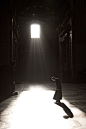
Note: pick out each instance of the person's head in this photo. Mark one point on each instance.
(53, 78)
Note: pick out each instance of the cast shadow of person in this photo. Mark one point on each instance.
(66, 109)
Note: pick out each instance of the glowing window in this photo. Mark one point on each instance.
(35, 31)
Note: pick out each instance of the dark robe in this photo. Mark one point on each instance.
(58, 92)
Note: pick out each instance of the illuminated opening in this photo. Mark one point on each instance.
(35, 31)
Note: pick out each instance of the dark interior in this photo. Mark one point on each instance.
(60, 51)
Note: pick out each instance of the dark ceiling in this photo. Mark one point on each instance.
(42, 8)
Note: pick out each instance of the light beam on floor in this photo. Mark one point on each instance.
(34, 108)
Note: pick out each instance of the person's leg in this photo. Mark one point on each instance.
(57, 101)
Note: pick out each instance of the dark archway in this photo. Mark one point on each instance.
(50, 13)
(37, 57)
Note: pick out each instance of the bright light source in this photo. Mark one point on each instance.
(35, 31)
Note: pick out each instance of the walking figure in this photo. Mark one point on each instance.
(58, 92)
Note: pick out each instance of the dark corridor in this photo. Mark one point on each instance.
(37, 55)
(61, 50)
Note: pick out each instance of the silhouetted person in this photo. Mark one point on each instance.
(58, 92)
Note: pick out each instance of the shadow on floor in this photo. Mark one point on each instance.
(66, 109)
(75, 95)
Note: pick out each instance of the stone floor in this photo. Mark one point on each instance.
(34, 107)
